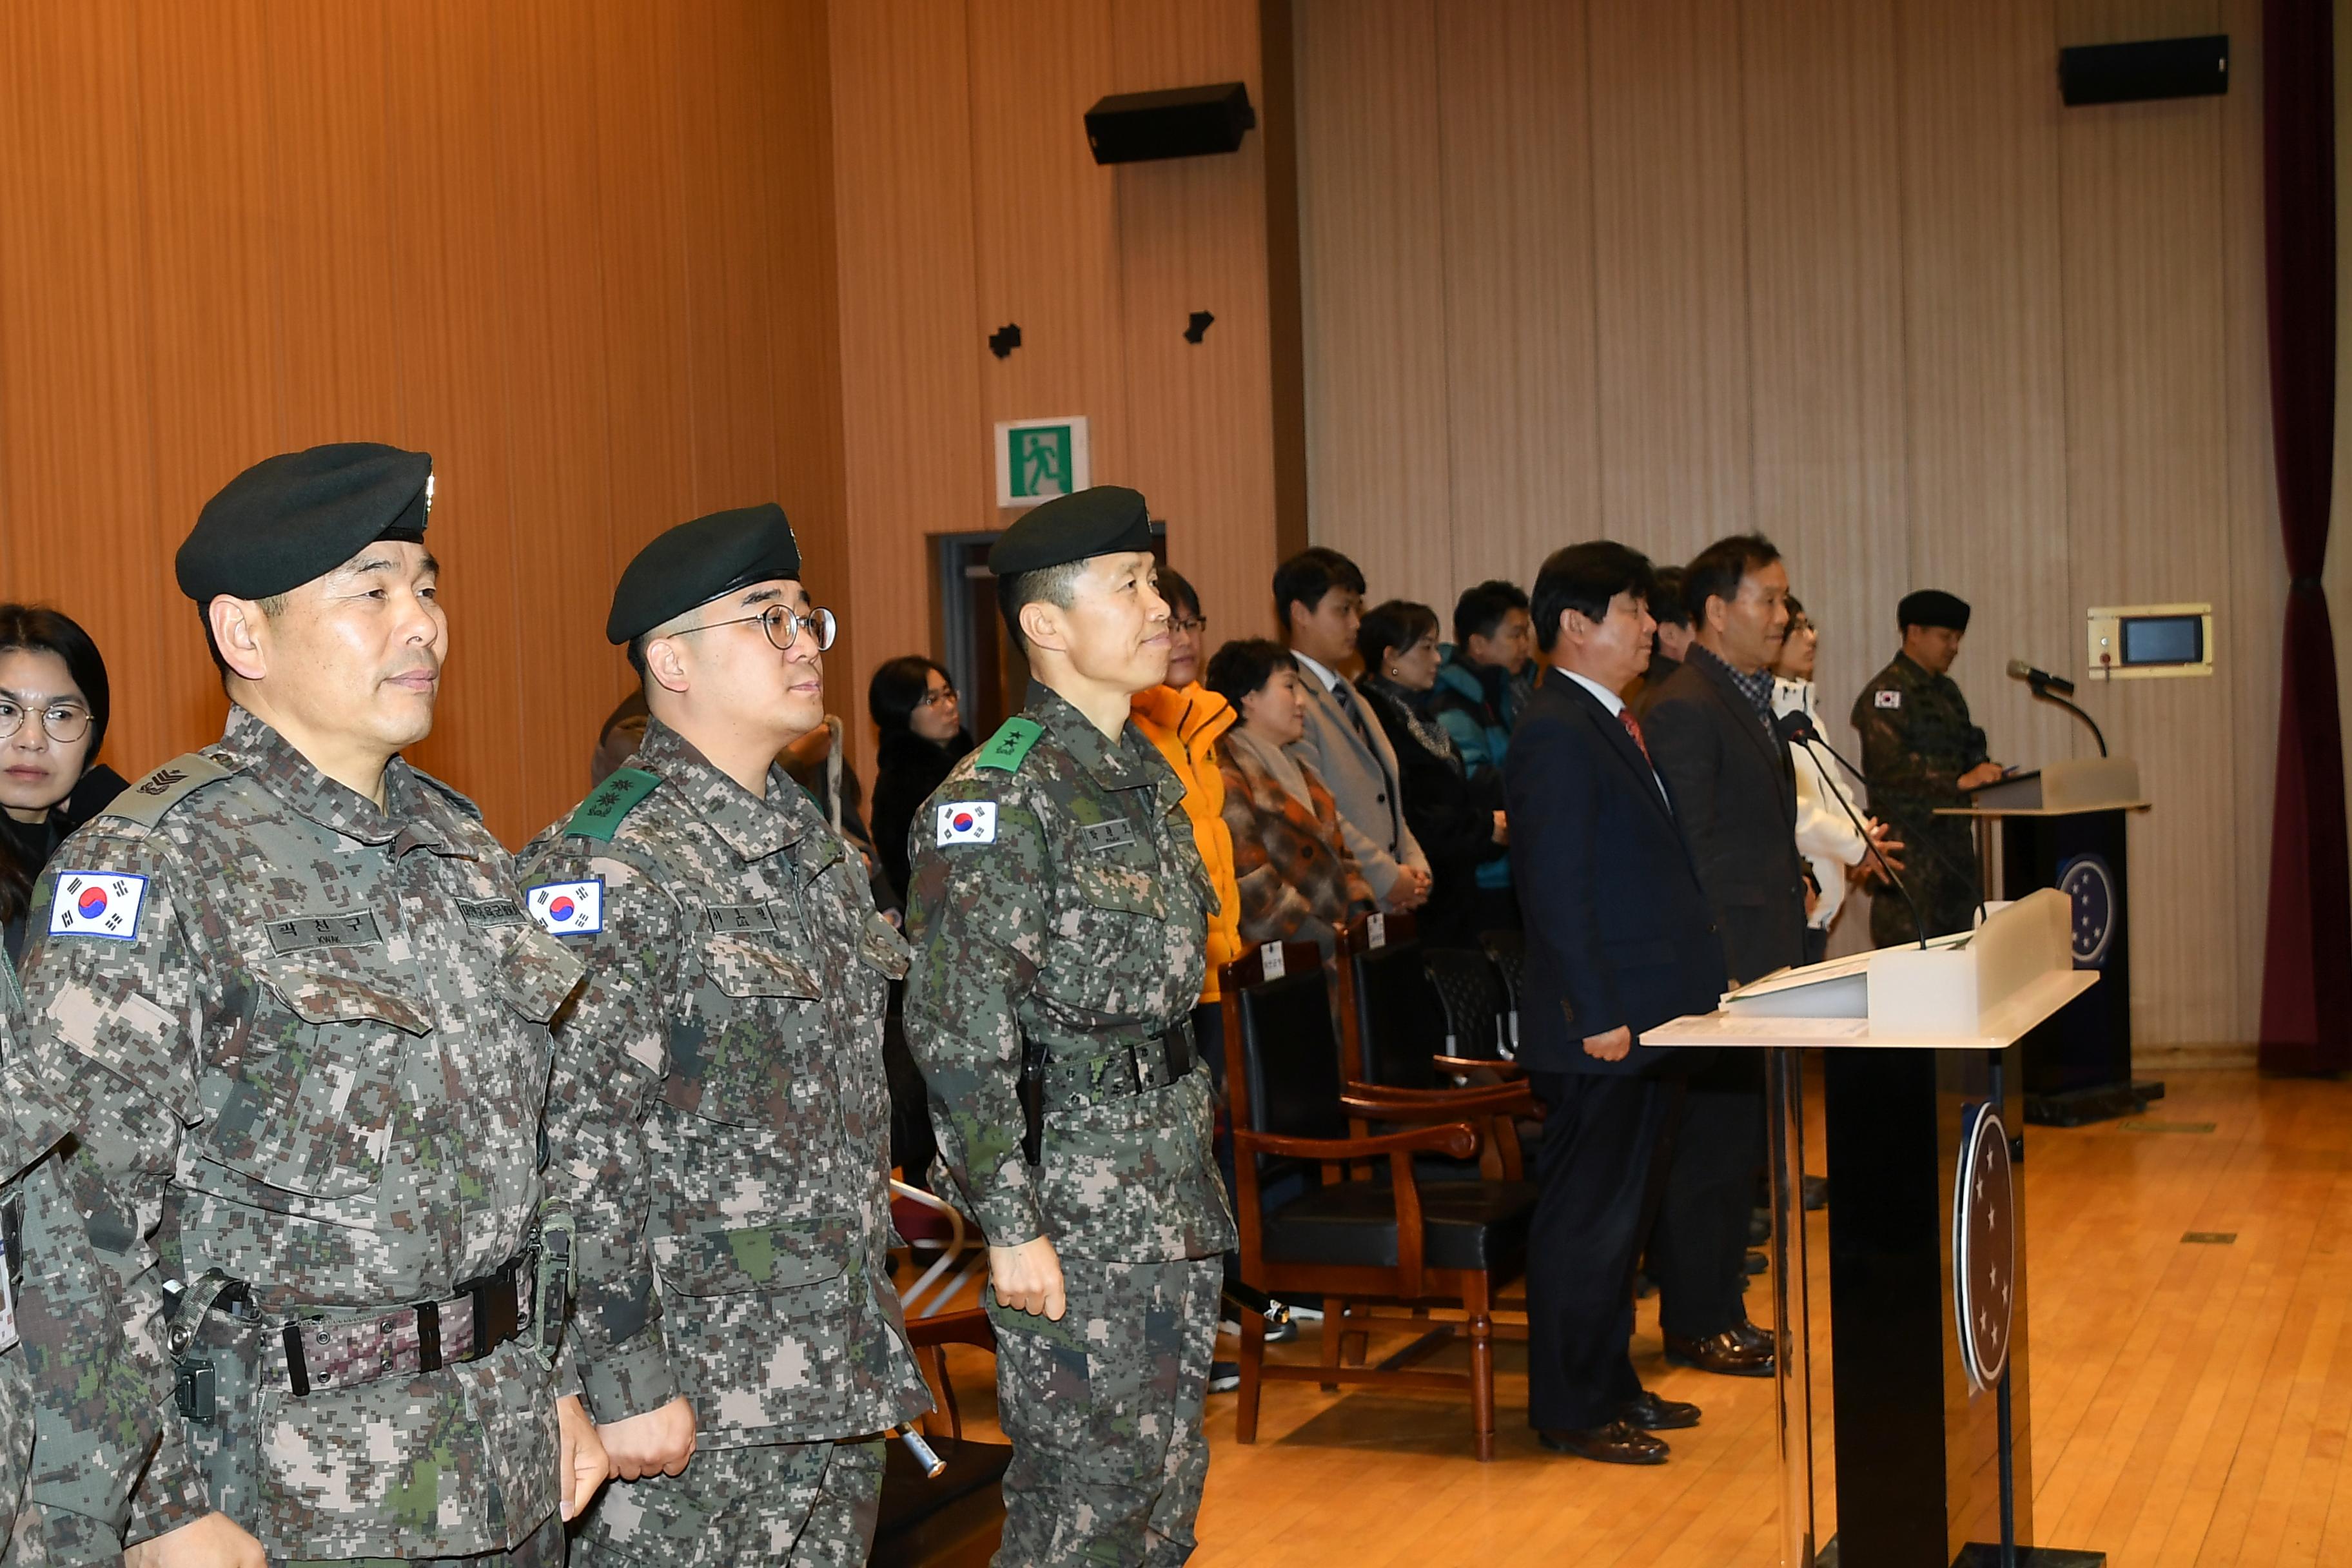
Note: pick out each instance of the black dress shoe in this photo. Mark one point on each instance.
(1758, 1340)
(1817, 1191)
(1652, 1414)
(1722, 1354)
(1618, 1443)
(1757, 1263)
(1759, 1227)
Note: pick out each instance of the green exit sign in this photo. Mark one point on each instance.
(1037, 460)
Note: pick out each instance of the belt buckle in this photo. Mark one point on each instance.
(497, 1315)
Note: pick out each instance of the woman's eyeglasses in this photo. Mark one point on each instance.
(1191, 625)
(936, 696)
(782, 626)
(62, 722)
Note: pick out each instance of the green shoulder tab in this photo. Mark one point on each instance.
(600, 815)
(148, 801)
(1010, 745)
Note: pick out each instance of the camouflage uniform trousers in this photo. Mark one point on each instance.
(1948, 900)
(1103, 1409)
(813, 1505)
(544, 1550)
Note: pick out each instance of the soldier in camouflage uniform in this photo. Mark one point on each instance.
(719, 1109)
(1059, 916)
(1922, 752)
(303, 1017)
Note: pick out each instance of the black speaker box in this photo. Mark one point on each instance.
(2129, 73)
(1180, 122)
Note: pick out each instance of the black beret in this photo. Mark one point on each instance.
(296, 517)
(1932, 607)
(1102, 520)
(696, 562)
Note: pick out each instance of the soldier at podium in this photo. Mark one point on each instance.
(1921, 751)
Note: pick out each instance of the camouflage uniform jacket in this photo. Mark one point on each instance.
(306, 1043)
(719, 1114)
(95, 1432)
(1058, 895)
(1917, 740)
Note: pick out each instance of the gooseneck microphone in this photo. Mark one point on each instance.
(2055, 688)
(1795, 728)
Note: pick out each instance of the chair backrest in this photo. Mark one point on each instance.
(1391, 1016)
(1507, 951)
(1282, 1062)
(1472, 996)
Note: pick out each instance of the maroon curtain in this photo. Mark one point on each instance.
(2307, 957)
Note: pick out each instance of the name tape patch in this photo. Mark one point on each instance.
(731, 919)
(324, 931)
(568, 908)
(968, 822)
(97, 903)
(1888, 700)
(1102, 838)
(484, 913)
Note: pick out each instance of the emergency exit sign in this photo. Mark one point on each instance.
(1037, 460)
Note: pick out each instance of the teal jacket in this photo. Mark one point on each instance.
(1478, 704)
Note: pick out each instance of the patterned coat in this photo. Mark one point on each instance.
(1916, 740)
(719, 1114)
(1298, 879)
(306, 1043)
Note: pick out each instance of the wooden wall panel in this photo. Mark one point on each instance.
(1858, 280)
(230, 230)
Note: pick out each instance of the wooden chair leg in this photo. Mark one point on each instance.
(1482, 1370)
(1253, 1359)
(1357, 1343)
(1335, 1329)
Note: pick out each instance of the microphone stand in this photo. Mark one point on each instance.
(2041, 686)
(1804, 734)
(1966, 875)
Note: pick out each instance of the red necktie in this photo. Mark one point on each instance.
(1625, 717)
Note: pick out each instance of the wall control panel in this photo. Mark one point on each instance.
(2137, 642)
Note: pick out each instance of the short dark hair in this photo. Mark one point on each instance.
(1179, 592)
(1399, 623)
(1666, 606)
(1716, 572)
(1585, 578)
(1307, 576)
(898, 688)
(1244, 666)
(1053, 584)
(1480, 609)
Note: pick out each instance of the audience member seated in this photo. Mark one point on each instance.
(1457, 821)
(913, 702)
(1318, 597)
(1833, 838)
(1185, 719)
(1298, 877)
(53, 714)
(1482, 685)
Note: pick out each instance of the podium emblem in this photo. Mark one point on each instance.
(1984, 1249)
(2086, 881)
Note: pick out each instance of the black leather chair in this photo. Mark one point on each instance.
(1471, 994)
(953, 1520)
(1507, 952)
(1328, 1209)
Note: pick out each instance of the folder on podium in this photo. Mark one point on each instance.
(1928, 1276)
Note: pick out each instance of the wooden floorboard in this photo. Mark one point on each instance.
(2190, 1400)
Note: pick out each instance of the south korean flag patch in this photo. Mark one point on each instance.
(1888, 699)
(568, 908)
(968, 822)
(97, 903)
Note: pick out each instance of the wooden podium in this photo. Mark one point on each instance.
(2064, 827)
(1927, 1278)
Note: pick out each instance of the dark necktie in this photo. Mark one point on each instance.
(1347, 696)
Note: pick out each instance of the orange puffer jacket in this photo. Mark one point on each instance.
(1184, 724)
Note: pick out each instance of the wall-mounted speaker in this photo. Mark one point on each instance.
(2131, 73)
(1180, 122)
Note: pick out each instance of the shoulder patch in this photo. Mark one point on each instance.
(600, 815)
(967, 821)
(1010, 745)
(567, 908)
(148, 801)
(1887, 697)
(97, 903)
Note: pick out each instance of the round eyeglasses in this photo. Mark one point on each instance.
(783, 627)
(64, 722)
(935, 696)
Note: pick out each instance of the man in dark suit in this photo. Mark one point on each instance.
(1619, 941)
(1711, 728)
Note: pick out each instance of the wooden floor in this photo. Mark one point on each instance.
(2191, 1398)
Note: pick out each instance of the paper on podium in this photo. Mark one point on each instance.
(1979, 989)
